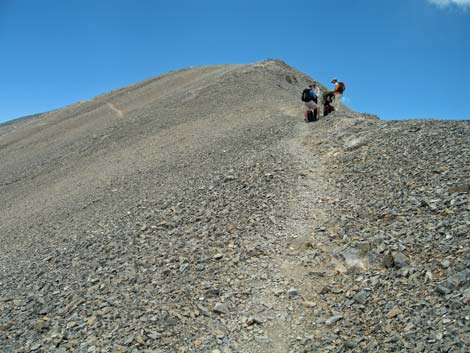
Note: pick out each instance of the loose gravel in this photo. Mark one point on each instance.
(197, 212)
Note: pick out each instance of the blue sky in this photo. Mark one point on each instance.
(399, 58)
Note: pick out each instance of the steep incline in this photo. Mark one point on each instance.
(387, 266)
(133, 211)
(197, 212)
(54, 167)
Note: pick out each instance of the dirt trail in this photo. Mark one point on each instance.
(116, 110)
(300, 262)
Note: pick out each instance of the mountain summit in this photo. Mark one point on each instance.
(197, 212)
(54, 165)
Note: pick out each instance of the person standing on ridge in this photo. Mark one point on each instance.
(318, 97)
(338, 92)
(309, 97)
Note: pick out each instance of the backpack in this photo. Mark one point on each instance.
(341, 87)
(306, 97)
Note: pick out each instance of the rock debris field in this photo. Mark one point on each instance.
(197, 212)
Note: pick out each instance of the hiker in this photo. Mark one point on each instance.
(328, 98)
(318, 97)
(310, 98)
(338, 92)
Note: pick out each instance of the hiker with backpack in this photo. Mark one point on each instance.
(338, 92)
(310, 98)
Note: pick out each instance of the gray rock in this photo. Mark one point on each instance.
(459, 279)
(331, 320)
(263, 339)
(213, 292)
(252, 321)
(229, 178)
(203, 310)
(361, 297)
(292, 292)
(350, 344)
(221, 308)
(400, 260)
(35, 346)
(354, 260)
(445, 263)
(466, 296)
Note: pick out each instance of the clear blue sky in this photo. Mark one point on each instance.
(399, 58)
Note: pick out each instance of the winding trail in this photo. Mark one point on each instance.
(116, 110)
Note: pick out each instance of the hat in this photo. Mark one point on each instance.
(334, 79)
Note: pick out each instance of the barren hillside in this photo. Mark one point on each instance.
(197, 212)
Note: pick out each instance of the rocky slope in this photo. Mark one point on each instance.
(197, 212)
